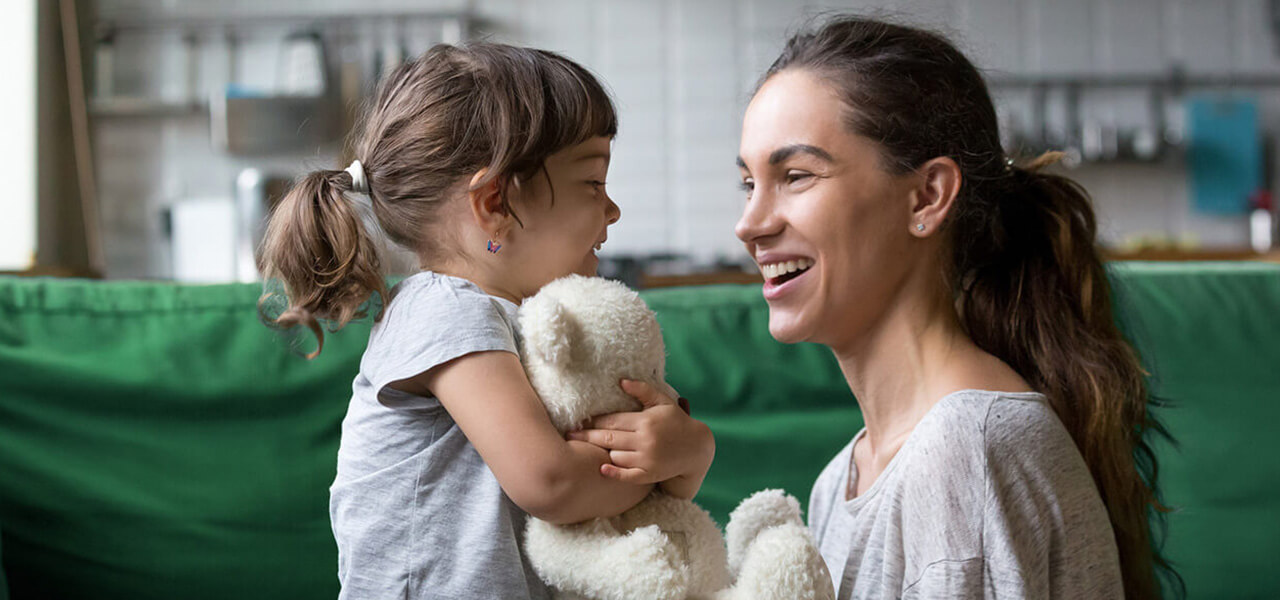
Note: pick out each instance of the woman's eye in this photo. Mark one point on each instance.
(747, 186)
(797, 176)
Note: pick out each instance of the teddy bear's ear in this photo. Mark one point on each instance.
(552, 338)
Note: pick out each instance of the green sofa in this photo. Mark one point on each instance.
(157, 441)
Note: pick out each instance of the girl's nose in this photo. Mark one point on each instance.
(611, 212)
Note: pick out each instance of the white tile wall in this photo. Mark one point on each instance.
(1201, 33)
(1064, 38)
(681, 72)
(993, 33)
(1129, 36)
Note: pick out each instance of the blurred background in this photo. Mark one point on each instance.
(148, 138)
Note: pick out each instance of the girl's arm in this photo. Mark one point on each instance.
(490, 398)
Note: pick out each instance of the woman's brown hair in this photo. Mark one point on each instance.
(1024, 264)
(433, 123)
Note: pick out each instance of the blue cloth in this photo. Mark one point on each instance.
(1224, 153)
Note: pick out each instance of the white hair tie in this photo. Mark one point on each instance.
(358, 182)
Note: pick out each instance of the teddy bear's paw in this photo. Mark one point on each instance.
(761, 511)
(640, 565)
(651, 566)
(783, 564)
(692, 531)
(573, 559)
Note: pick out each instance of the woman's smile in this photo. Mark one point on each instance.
(783, 275)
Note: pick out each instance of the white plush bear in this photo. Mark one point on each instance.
(580, 336)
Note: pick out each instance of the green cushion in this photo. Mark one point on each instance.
(157, 441)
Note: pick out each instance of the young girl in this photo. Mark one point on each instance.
(489, 162)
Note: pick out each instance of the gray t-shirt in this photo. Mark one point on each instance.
(987, 498)
(415, 511)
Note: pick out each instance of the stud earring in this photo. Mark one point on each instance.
(919, 226)
(492, 247)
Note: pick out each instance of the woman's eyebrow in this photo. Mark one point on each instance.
(786, 152)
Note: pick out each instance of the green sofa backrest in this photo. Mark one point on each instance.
(157, 441)
(1209, 335)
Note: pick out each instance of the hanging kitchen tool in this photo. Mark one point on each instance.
(301, 113)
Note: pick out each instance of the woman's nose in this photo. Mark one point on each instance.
(758, 220)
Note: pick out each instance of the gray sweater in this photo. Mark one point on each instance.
(987, 498)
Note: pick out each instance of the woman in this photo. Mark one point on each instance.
(965, 300)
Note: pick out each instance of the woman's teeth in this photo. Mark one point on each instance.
(782, 268)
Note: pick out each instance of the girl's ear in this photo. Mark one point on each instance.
(934, 195)
(488, 207)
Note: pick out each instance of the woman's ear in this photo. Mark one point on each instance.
(934, 195)
(488, 205)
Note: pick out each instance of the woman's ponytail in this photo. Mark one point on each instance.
(1033, 290)
(317, 247)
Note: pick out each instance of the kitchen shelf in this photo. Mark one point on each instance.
(204, 21)
(1173, 81)
(125, 107)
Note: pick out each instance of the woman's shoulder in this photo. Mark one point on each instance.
(1019, 423)
(1018, 442)
(969, 427)
(993, 417)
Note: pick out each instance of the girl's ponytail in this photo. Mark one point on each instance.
(317, 246)
(1033, 291)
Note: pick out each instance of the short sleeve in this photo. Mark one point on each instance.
(1046, 531)
(429, 322)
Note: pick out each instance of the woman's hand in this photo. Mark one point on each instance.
(660, 444)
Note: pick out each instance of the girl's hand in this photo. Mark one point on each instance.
(661, 443)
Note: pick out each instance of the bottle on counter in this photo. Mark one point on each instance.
(1261, 221)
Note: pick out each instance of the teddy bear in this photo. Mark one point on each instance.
(579, 336)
